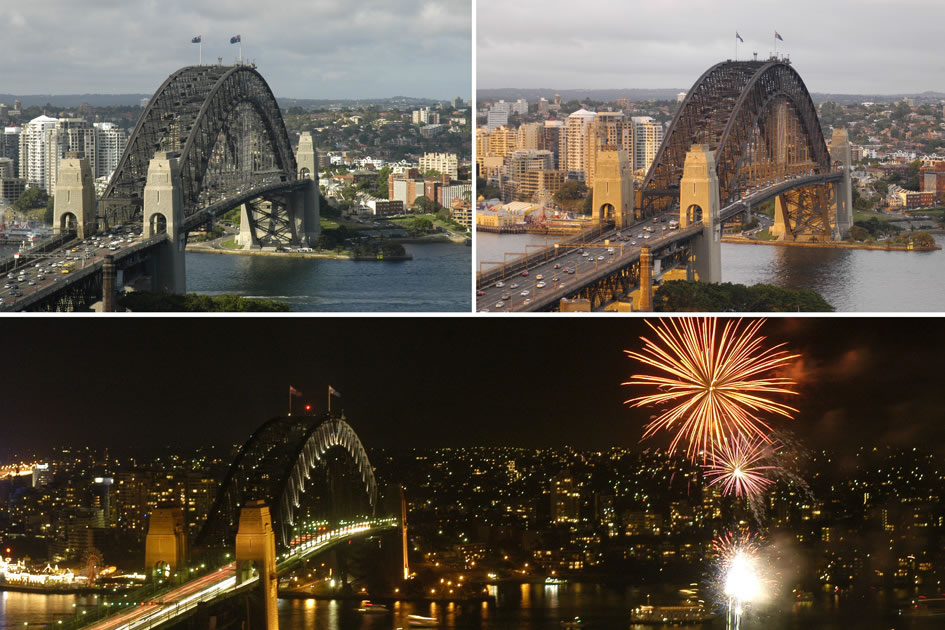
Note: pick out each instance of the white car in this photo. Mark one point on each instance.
(524, 293)
(601, 257)
(499, 284)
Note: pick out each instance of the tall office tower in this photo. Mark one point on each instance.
(576, 129)
(553, 139)
(67, 135)
(109, 145)
(497, 118)
(530, 136)
(33, 150)
(565, 499)
(647, 137)
(520, 107)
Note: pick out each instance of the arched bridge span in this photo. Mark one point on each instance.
(223, 122)
(759, 120)
(275, 466)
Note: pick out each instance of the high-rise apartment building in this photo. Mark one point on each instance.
(647, 138)
(553, 139)
(530, 136)
(109, 145)
(497, 118)
(565, 499)
(10, 147)
(520, 107)
(32, 150)
(444, 163)
(576, 130)
(68, 134)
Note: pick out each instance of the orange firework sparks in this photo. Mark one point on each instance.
(715, 385)
(738, 467)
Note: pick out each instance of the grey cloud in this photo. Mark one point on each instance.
(857, 46)
(305, 49)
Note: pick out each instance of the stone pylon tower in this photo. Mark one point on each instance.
(164, 211)
(305, 202)
(699, 201)
(613, 188)
(166, 540)
(840, 152)
(256, 547)
(75, 195)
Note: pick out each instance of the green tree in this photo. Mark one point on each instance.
(31, 198)
(425, 205)
(570, 190)
(380, 189)
(683, 296)
(486, 191)
(50, 210)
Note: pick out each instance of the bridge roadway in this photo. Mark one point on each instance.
(523, 292)
(596, 264)
(55, 281)
(181, 601)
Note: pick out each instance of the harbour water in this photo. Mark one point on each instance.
(852, 280)
(436, 280)
(519, 607)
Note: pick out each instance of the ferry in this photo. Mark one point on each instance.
(555, 580)
(572, 623)
(660, 615)
(369, 608)
(421, 621)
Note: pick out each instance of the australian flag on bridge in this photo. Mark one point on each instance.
(235, 40)
(197, 39)
(777, 35)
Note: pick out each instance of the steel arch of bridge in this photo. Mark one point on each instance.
(189, 114)
(274, 465)
(730, 109)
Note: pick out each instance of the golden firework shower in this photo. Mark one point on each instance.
(739, 467)
(714, 383)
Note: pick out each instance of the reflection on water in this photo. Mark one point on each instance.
(523, 607)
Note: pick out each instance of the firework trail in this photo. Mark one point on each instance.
(714, 384)
(739, 466)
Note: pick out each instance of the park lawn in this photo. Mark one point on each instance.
(764, 235)
(231, 243)
(866, 215)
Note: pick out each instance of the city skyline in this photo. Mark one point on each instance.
(407, 383)
(378, 50)
(869, 50)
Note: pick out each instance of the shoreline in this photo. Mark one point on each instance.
(740, 240)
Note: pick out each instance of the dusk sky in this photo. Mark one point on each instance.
(433, 381)
(322, 49)
(844, 46)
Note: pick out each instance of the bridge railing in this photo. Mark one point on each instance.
(38, 248)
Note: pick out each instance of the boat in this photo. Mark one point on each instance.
(555, 580)
(420, 621)
(572, 623)
(369, 608)
(659, 615)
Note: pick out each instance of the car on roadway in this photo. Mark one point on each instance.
(480, 293)
(499, 284)
(514, 285)
(633, 242)
(584, 254)
(540, 285)
(524, 292)
(499, 304)
(601, 257)
(525, 273)
(538, 277)
(505, 296)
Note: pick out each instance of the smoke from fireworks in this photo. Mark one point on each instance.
(715, 384)
(739, 466)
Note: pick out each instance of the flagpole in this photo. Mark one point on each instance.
(290, 400)
(200, 46)
(329, 400)
(241, 51)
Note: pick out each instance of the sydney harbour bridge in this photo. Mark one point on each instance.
(210, 140)
(301, 487)
(746, 133)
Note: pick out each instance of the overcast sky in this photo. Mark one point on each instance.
(304, 48)
(837, 46)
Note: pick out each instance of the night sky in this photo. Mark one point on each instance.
(531, 381)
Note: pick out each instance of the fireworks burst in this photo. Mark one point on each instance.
(740, 573)
(715, 384)
(738, 466)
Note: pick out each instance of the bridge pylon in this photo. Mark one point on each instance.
(75, 195)
(164, 212)
(166, 540)
(699, 201)
(840, 152)
(613, 188)
(256, 546)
